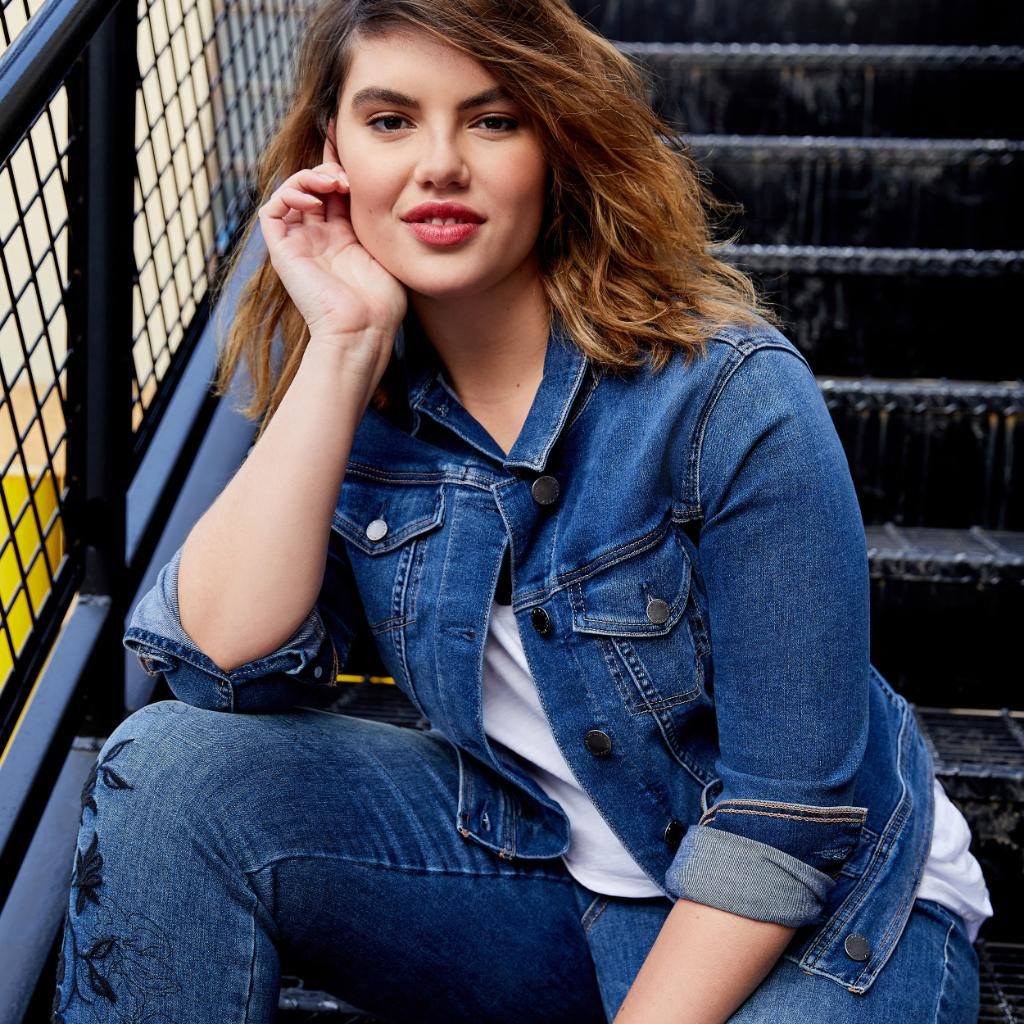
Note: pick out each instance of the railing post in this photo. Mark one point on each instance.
(100, 383)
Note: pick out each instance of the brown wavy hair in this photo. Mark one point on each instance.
(626, 244)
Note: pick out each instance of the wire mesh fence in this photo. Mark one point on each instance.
(210, 80)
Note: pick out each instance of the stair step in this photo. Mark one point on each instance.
(825, 191)
(976, 752)
(1002, 981)
(976, 557)
(933, 452)
(382, 702)
(878, 261)
(815, 89)
(893, 312)
(979, 759)
(934, 22)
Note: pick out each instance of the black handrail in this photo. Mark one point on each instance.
(39, 58)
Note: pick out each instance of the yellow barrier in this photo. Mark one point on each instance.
(26, 547)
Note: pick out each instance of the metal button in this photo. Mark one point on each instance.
(598, 742)
(544, 490)
(377, 529)
(857, 946)
(657, 610)
(317, 672)
(541, 621)
(673, 832)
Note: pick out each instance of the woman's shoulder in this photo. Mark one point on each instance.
(697, 376)
(733, 341)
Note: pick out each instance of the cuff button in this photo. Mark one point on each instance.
(857, 947)
(673, 833)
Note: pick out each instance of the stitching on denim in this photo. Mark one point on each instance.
(605, 560)
(354, 535)
(590, 906)
(593, 920)
(386, 625)
(603, 902)
(747, 348)
(636, 668)
(860, 812)
(567, 579)
(885, 844)
(574, 388)
(775, 814)
(596, 377)
(629, 700)
(945, 974)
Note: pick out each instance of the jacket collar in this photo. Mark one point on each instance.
(428, 394)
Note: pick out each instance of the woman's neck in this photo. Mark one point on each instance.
(493, 354)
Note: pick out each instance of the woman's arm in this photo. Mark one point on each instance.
(783, 557)
(253, 564)
(679, 983)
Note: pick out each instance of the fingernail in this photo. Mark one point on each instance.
(343, 179)
(324, 177)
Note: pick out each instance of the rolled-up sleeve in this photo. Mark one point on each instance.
(302, 670)
(783, 557)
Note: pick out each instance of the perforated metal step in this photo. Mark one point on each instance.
(814, 89)
(904, 192)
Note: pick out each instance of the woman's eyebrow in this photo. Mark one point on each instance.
(377, 94)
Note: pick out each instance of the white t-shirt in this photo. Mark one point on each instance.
(514, 719)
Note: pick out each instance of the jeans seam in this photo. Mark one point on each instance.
(406, 868)
(945, 973)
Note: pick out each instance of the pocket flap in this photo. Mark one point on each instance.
(378, 518)
(643, 594)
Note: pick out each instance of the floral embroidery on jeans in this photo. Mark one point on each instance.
(110, 777)
(129, 958)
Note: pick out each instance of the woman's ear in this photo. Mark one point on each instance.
(330, 145)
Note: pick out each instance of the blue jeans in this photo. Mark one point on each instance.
(216, 847)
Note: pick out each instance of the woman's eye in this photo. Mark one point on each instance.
(384, 117)
(380, 118)
(498, 117)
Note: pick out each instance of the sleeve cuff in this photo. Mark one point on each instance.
(744, 876)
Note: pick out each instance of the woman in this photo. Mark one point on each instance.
(590, 505)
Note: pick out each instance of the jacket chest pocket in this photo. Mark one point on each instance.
(636, 609)
(388, 529)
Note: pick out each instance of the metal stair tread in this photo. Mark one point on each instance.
(825, 55)
(974, 743)
(888, 261)
(936, 546)
(890, 149)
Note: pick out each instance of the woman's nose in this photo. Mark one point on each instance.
(441, 163)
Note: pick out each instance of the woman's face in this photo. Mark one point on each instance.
(420, 145)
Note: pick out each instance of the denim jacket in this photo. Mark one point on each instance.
(690, 578)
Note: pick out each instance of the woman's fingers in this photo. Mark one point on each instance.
(285, 203)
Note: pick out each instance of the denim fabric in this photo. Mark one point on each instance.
(698, 592)
(217, 852)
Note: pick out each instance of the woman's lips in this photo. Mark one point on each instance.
(442, 234)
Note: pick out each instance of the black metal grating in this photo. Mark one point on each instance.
(1002, 981)
(213, 81)
(34, 356)
(933, 453)
(382, 702)
(970, 744)
(984, 558)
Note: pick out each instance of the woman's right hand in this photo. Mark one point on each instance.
(346, 297)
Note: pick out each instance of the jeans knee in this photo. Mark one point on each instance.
(147, 758)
